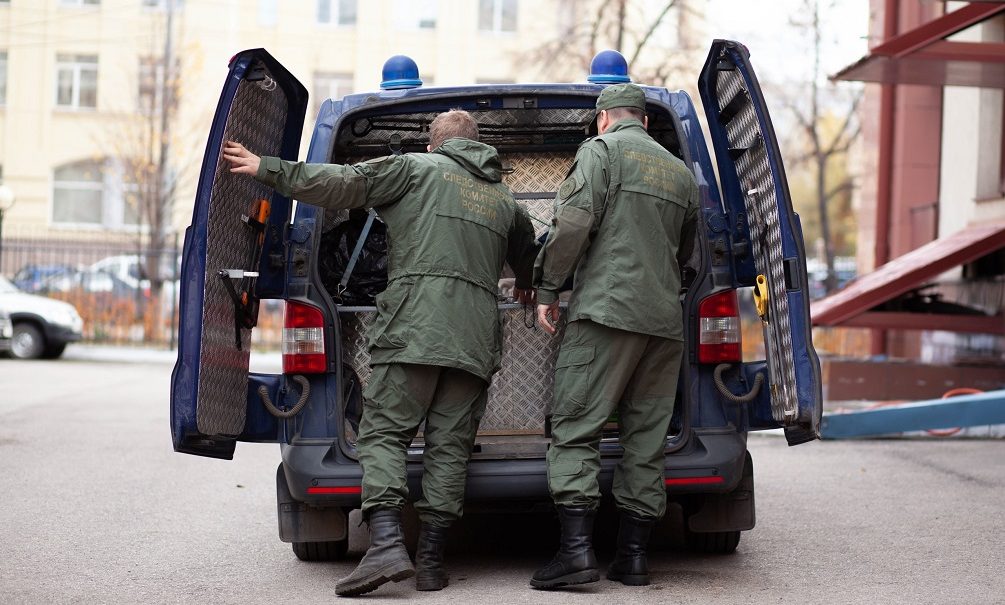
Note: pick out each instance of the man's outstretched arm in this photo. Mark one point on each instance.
(365, 185)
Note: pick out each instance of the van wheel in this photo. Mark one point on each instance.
(321, 551)
(28, 342)
(713, 543)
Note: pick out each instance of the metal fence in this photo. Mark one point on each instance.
(112, 281)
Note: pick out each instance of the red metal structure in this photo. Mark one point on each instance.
(852, 306)
(913, 61)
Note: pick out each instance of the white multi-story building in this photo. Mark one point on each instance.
(82, 81)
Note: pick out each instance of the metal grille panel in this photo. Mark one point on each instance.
(256, 119)
(521, 391)
(754, 173)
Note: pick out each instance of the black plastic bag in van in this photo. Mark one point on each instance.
(369, 276)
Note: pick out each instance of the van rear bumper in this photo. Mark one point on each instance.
(711, 463)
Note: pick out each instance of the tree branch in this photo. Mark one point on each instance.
(649, 33)
(847, 185)
(851, 136)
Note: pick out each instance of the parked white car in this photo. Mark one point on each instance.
(42, 326)
(6, 330)
(129, 269)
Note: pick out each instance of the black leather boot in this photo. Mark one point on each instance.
(630, 566)
(574, 563)
(429, 571)
(385, 561)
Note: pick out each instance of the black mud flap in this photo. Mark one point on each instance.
(733, 511)
(299, 522)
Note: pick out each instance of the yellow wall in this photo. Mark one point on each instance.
(36, 136)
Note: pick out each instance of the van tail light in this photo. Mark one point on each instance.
(303, 340)
(719, 329)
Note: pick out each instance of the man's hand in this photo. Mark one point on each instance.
(241, 160)
(525, 297)
(546, 313)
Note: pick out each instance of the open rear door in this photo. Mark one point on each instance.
(766, 238)
(233, 255)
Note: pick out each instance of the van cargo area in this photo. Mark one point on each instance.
(537, 148)
(247, 243)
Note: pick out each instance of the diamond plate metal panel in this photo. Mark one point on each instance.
(754, 172)
(533, 172)
(355, 325)
(543, 210)
(521, 391)
(257, 118)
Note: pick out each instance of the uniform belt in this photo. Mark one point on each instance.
(492, 287)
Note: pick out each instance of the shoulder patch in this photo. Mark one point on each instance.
(568, 187)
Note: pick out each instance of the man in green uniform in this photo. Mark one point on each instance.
(436, 343)
(624, 226)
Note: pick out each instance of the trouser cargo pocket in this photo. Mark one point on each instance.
(572, 379)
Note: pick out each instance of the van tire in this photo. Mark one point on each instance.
(713, 543)
(321, 551)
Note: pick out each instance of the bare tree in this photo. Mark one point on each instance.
(824, 142)
(628, 26)
(141, 145)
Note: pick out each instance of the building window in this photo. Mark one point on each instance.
(77, 190)
(76, 81)
(149, 75)
(415, 14)
(497, 15)
(1001, 153)
(96, 193)
(337, 12)
(268, 12)
(161, 4)
(990, 145)
(3, 77)
(330, 86)
(151, 84)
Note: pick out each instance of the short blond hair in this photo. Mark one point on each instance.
(452, 124)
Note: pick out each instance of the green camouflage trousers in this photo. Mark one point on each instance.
(397, 399)
(601, 370)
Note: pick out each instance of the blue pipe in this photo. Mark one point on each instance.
(965, 410)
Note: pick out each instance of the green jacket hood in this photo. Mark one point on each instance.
(477, 158)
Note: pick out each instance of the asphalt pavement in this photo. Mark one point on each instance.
(97, 508)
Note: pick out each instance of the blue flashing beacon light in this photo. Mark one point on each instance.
(608, 67)
(400, 72)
